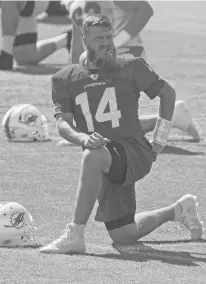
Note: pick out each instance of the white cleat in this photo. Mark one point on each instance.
(69, 242)
(183, 120)
(189, 217)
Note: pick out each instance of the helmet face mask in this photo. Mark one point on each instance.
(16, 226)
(25, 123)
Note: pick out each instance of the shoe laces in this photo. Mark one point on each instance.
(190, 219)
(30, 234)
(65, 238)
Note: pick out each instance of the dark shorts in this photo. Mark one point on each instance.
(28, 9)
(131, 161)
(29, 13)
(23, 39)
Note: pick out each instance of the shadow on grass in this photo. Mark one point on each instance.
(40, 69)
(142, 253)
(180, 151)
(172, 242)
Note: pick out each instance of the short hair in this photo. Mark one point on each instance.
(96, 20)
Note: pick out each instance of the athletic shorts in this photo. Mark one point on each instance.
(131, 161)
(27, 28)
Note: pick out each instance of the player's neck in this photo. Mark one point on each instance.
(90, 65)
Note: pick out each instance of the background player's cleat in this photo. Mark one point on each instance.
(189, 216)
(183, 120)
(6, 61)
(69, 242)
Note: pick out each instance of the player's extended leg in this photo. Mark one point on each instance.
(94, 164)
(9, 25)
(183, 211)
(27, 50)
(182, 120)
(30, 54)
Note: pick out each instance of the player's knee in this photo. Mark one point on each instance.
(91, 156)
(25, 54)
(124, 235)
(97, 158)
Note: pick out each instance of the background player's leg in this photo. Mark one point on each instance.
(182, 120)
(34, 53)
(46, 47)
(9, 23)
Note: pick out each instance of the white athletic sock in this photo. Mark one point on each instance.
(7, 43)
(79, 229)
(177, 211)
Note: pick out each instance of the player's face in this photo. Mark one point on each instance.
(100, 46)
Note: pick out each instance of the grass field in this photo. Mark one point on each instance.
(43, 177)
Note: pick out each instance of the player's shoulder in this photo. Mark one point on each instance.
(67, 72)
(131, 62)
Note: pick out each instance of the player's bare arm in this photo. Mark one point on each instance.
(141, 12)
(68, 131)
(167, 101)
(153, 85)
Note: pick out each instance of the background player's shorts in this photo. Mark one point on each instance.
(131, 160)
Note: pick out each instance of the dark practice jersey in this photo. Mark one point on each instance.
(106, 101)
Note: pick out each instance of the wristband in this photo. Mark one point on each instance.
(162, 131)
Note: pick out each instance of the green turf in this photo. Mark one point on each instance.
(43, 177)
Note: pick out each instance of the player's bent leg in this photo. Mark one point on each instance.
(144, 223)
(183, 120)
(183, 210)
(94, 164)
(123, 230)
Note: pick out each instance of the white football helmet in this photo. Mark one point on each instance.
(16, 226)
(25, 123)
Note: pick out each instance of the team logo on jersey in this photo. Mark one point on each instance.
(94, 76)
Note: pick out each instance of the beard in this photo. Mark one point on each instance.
(102, 59)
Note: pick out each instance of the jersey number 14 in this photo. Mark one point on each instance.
(108, 98)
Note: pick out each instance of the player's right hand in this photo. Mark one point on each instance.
(95, 141)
